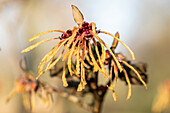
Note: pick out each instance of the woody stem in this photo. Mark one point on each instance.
(98, 99)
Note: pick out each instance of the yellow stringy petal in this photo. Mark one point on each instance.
(49, 56)
(78, 61)
(12, 93)
(32, 100)
(69, 57)
(49, 97)
(50, 62)
(65, 84)
(129, 84)
(50, 65)
(35, 45)
(55, 61)
(92, 57)
(76, 49)
(41, 64)
(83, 46)
(26, 103)
(65, 56)
(132, 54)
(101, 41)
(96, 66)
(83, 76)
(72, 37)
(83, 82)
(71, 53)
(97, 52)
(82, 61)
(115, 72)
(111, 85)
(43, 33)
(80, 87)
(44, 100)
(114, 96)
(88, 59)
(136, 73)
(75, 71)
(111, 74)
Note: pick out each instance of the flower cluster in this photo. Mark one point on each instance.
(162, 99)
(77, 43)
(29, 87)
(124, 75)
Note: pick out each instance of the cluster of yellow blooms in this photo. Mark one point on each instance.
(77, 43)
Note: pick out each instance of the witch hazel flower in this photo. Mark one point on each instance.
(114, 73)
(76, 42)
(30, 88)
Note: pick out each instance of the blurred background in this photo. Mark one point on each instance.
(143, 25)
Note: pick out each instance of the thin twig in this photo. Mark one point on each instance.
(74, 99)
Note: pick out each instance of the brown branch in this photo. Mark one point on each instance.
(97, 98)
(74, 99)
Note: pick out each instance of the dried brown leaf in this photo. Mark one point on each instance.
(78, 17)
(115, 42)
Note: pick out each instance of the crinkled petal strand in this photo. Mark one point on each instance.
(55, 62)
(83, 82)
(97, 52)
(43, 33)
(50, 65)
(72, 51)
(133, 56)
(50, 55)
(12, 93)
(65, 84)
(136, 73)
(129, 85)
(44, 60)
(113, 65)
(88, 58)
(49, 98)
(35, 45)
(115, 79)
(26, 102)
(75, 71)
(45, 100)
(92, 59)
(111, 69)
(115, 72)
(65, 56)
(96, 66)
(102, 42)
(50, 62)
(72, 37)
(70, 55)
(78, 60)
(32, 100)
(83, 46)
(114, 96)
